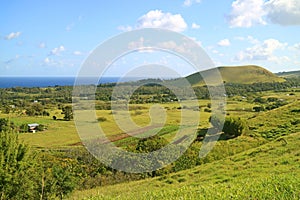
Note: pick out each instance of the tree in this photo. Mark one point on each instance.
(150, 144)
(35, 109)
(68, 112)
(17, 169)
(3, 124)
(23, 128)
(234, 127)
(258, 108)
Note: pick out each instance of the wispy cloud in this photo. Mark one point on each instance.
(12, 59)
(42, 45)
(12, 35)
(195, 26)
(188, 3)
(57, 50)
(77, 53)
(70, 26)
(125, 28)
(224, 43)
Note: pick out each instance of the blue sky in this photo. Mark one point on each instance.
(53, 38)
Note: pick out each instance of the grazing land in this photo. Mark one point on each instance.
(256, 157)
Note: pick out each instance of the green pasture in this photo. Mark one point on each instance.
(270, 171)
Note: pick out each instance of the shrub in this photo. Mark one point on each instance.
(234, 126)
(207, 110)
(101, 119)
(151, 144)
(258, 108)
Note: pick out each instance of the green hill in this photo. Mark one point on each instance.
(236, 74)
(291, 74)
(270, 171)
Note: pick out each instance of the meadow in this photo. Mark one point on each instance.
(260, 163)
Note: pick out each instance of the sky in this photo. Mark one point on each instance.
(53, 38)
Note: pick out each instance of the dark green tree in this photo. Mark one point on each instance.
(3, 124)
(258, 108)
(68, 112)
(17, 169)
(231, 126)
(150, 144)
(234, 127)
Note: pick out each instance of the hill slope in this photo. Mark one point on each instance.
(239, 74)
(270, 171)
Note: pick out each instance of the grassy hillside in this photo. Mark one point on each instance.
(291, 74)
(270, 171)
(238, 74)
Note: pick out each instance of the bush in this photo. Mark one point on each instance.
(258, 108)
(234, 127)
(150, 144)
(207, 110)
(101, 119)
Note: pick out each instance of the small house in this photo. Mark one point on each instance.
(32, 127)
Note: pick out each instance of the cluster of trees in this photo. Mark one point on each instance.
(148, 93)
(25, 175)
(268, 104)
(36, 109)
(12, 101)
(6, 125)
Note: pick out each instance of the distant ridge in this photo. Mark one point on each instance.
(247, 74)
(290, 74)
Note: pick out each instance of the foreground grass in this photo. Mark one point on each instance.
(271, 171)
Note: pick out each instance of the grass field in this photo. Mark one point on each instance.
(261, 164)
(270, 171)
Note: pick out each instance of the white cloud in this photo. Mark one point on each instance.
(297, 46)
(283, 12)
(261, 51)
(159, 19)
(195, 26)
(224, 43)
(246, 13)
(12, 35)
(57, 50)
(188, 3)
(77, 53)
(125, 28)
(197, 41)
(69, 27)
(42, 45)
(47, 60)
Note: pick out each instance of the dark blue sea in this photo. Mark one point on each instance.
(10, 82)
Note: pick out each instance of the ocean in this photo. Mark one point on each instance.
(10, 82)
